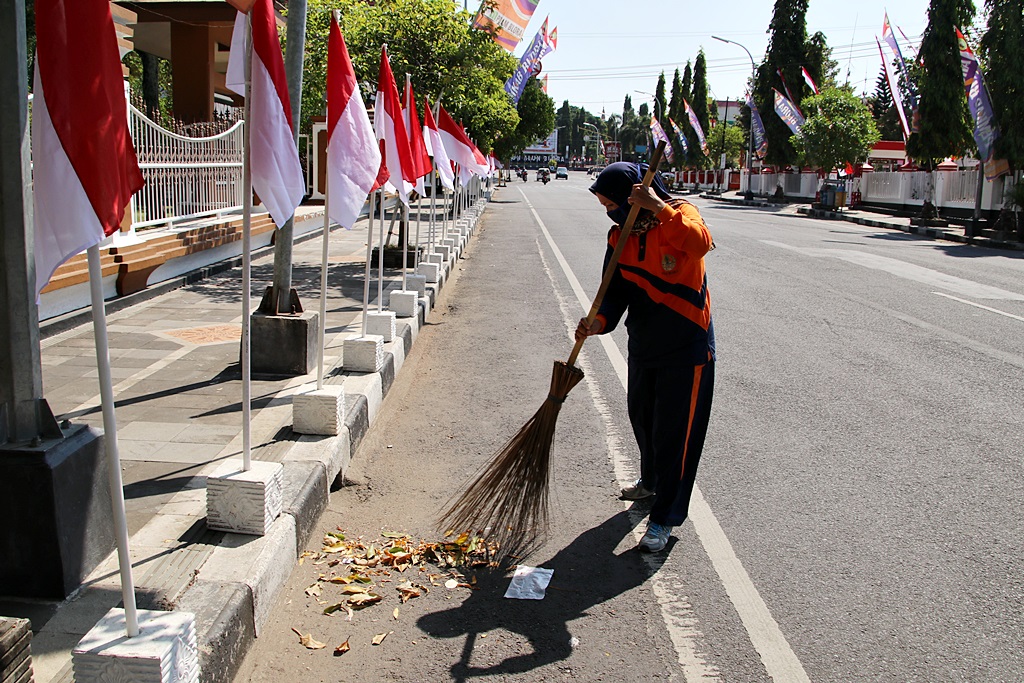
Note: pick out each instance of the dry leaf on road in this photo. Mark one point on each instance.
(379, 638)
(343, 648)
(308, 641)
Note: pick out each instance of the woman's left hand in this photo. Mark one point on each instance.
(646, 199)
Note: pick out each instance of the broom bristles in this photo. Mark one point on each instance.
(507, 503)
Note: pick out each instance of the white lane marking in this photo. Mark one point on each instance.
(985, 308)
(779, 660)
(907, 271)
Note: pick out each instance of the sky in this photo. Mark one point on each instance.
(610, 48)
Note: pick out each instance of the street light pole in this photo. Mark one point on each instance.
(597, 143)
(654, 99)
(750, 131)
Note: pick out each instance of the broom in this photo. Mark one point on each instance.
(507, 503)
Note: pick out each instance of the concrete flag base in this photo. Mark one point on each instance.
(364, 353)
(164, 651)
(430, 272)
(244, 502)
(404, 303)
(319, 411)
(416, 283)
(382, 324)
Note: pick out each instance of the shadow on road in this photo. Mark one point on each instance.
(587, 573)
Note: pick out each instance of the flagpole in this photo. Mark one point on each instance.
(405, 245)
(323, 281)
(246, 256)
(369, 258)
(433, 207)
(419, 217)
(380, 256)
(99, 323)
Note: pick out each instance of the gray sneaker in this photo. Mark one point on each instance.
(656, 538)
(636, 492)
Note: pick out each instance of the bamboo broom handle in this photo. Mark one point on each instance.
(620, 246)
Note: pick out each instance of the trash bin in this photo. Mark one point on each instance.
(828, 196)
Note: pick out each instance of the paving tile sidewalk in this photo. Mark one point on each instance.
(952, 233)
(177, 385)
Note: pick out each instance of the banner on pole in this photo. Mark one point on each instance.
(787, 112)
(680, 137)
(659, 136)
(529, 63)
(695, 123)
(507, 18)
(757, 125)
(986, 131)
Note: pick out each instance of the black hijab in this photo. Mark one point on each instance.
(616, 183)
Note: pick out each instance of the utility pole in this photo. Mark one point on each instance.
(52, 479)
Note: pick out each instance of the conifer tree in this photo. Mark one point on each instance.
(659, 97)
(699, 103)
(676, 113)
(942, 118)
(787, 52)
(887, 119)
(1002, 54)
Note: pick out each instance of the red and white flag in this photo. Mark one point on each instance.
(432, 137)
(459, 147)
(84, 166)
(353, 157)
(273, 154)
(809, 81)
(417, 145)
(389, 125)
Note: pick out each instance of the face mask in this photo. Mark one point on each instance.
(619, 215)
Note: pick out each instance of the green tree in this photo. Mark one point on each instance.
(437, 47)
(677, 113)
(728, 137)
(943, 120)
(659, 97)
(819, 63)
(1002, 53)
(786, 53)
(699, 104)
(942, 117)
(887, 119)
(839, 129)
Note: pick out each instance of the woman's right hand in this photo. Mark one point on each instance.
(583, 330)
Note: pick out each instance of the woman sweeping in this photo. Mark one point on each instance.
(661, 285)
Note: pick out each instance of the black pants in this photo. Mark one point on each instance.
(669, 408)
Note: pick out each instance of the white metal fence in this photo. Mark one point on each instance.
(186, 177)
(898, 189)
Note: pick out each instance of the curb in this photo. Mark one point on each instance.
(231, 581)
(924, 231)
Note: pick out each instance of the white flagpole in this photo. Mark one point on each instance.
(405, 245)
(246, 256)
(323, 279)
(419, 216)
(369, 257)
(99, 326)
(433, 208)
(380, 256)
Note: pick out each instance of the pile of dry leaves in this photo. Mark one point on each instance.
(361, 567)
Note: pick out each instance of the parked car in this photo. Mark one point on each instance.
(561, 172)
